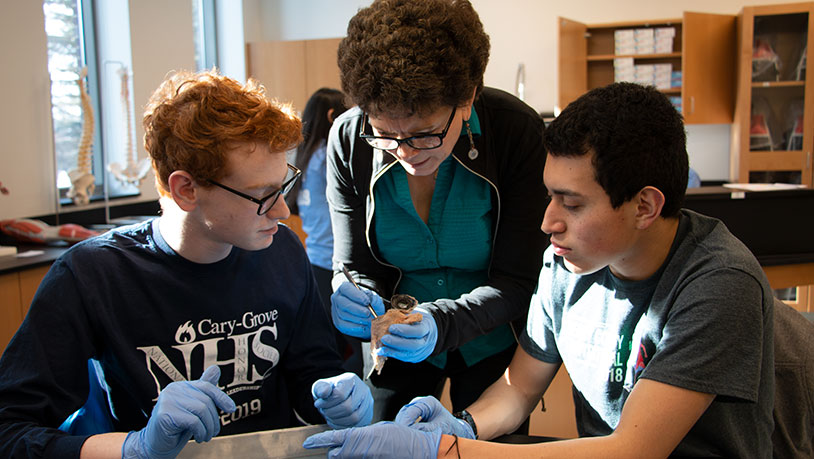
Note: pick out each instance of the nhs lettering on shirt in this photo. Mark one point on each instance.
(245, 344)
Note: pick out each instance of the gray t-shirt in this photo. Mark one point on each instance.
(703, 322)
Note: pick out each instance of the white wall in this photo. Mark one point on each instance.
(26, 155)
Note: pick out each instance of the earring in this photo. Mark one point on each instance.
(473, 152)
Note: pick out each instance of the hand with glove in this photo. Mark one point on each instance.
(184, 410)
(349, 309)
(411, 342)
(433, 417)
(344, 400)
(381, 440)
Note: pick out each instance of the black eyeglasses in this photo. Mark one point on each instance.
(419, 142)
(265, 204)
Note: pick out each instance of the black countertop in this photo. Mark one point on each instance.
(39, 255)
(777, 225)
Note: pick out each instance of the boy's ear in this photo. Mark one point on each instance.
(183, 190)
(650, 201)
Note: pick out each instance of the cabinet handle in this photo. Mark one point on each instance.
(808, 160)
(692, 105)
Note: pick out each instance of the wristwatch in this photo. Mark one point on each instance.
(467, 418)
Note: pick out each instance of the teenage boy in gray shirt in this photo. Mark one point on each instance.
(662, 318)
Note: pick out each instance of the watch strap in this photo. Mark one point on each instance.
(467, 418)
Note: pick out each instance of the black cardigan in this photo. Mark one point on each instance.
(511, 158)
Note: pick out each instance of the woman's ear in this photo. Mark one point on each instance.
(650, 201)
(467, 106)
(330, 115)
(183, 190)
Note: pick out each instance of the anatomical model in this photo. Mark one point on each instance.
(400, 313)
(132, 173)
(82, 181)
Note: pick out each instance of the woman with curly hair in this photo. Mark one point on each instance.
(435, 190)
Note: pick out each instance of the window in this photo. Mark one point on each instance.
(74, 42)
(69, 27)
(203, 23)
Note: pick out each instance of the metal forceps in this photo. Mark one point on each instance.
(350, 279)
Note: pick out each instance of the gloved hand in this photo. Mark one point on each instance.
(381, 440)
(184, 410)
(433, 417)
(411, 342)
(344, 400)
(349, 309)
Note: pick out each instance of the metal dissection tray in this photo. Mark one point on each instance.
(271, 444)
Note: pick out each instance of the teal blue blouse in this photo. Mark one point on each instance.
(449, 255)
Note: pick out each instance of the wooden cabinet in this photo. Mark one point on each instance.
(772, 132)
(16, 292)
(703, 51)
(292, 70)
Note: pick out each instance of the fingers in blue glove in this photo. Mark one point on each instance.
(411, 342)
(423, 408)
(328, 439)
(184, 410)
(192, 406)
(344, 400)
(434, 416)
(381, 440)
(350, 312)
(223, 401)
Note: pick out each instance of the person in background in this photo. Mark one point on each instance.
(435, 191)
(663, 319)
(307, 199)
(206, 319)
(693, 180)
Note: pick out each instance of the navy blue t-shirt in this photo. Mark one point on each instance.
(151, 317)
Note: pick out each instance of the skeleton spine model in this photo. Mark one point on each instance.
(82, 181)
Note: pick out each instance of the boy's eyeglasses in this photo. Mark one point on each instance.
(265, 204)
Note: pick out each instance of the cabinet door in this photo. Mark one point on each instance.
(774, 115)
(709, 46)
(573, 60)
(292, 70)
(320, 65)
(29, 282)
(280, 66)
(10, 317)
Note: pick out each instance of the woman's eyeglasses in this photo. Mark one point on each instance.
(419, 142)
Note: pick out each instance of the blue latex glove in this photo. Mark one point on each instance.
(384, 440)
(411, 342)
(344, 401)
(433, 417)
(184, 410)
(349, 309)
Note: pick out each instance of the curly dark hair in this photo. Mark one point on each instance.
(405, 57)
(637, 138)
(193, 119)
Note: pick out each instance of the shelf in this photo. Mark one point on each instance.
(778, 84)
(611, 57)
(776, 160)
(702, 50)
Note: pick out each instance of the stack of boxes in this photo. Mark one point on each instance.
(631, 42)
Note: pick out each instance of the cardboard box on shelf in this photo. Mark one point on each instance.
(624, 42)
